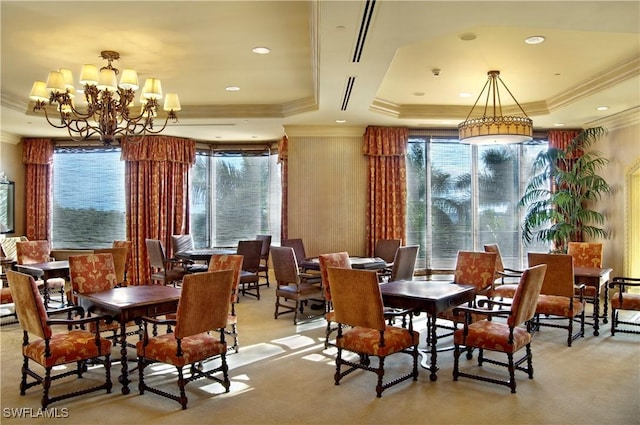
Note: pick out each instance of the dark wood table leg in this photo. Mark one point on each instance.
(124, 377)
(596, 311)
(431, 351)
(605, 316)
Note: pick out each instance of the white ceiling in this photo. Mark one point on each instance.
(591, 57)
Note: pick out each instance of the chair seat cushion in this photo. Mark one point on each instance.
(67, 348)
(5, 296)
(507, 290)
(629, 302)
(492, 335)
(367, 340)
(232, 319)
(54, 283)
(588, 291)
(558, 306)
(460, 318)
(304, 291)
(195, 348)
(248, 277)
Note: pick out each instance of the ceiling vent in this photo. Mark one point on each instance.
(347, 92)
(364, 28)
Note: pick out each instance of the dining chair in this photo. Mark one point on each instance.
(506, 280)
(249, 277)
(119, 255)
(362, 329)
(404, 263)
(624, 300)
(264, 257)
(163, 270)
(291, 285)
(587, 254)
(386, 249)
(501, 336)
(181, 243)
(52, 350)
(335, 259)
(39, 251)
(91, 273)
(127, 264)
(230, 262)
(476, 269)
(557, 301)
(198, 334)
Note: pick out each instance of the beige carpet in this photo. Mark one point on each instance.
(283, 375)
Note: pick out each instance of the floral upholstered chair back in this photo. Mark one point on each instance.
(475, 268)
(119, 261)
(29, 305)
(585, 254)
(30, 252)
(336, 259)
(228, 262)
(92, 272)
(525, 300)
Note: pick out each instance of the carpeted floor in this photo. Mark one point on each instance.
(283, 375)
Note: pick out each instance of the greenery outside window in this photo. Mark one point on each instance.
(461, 197)
(235, 195)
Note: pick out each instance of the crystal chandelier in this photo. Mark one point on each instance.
(109, 109)
(495, 128)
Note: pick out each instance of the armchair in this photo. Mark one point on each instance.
(362, 329)
(624, 300)
(508, 278)
(198, 335)
(163, 270)
(497, 335)
(39, 251)
(55, 349)
(264, 257)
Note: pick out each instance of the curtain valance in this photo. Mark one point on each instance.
(160, 148)
(385, 141)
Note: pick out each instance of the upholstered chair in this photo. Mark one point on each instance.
(52, 349)
(624, 300)
(362, 328)
(557, 300)
(198, 335)
(127, 265)
(339, 260)
(163, 269)
(588, 254)
(502, 336)
(181, 243)
(263, 268)
(249, 276)
(478, 270)
(230, 262)
(39, 251)
(386, 249)
(292, 290)
(506, 280)
(119, 255)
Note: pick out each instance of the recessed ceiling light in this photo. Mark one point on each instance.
(465, 95)
(534, 39)
(602, 108)
(468, 36)
(558, 124)
(261, 50)
(418, 93)
(232, 88)
(341, 121)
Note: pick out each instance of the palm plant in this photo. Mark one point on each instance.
(559, 197)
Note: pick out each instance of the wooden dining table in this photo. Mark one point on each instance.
(202, 254)
(45, 271)
(598, 278)
(127, 304)
(362, 263)
(430, 297)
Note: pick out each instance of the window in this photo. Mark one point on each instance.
(235, 195)
(88, 198)
(461, 197)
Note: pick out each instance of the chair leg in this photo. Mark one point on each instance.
(337, 376)
(181, 384)
(456, 361)
(23, 382)
(529, 361)
(380, 373)
(512, 373)
(46, 384)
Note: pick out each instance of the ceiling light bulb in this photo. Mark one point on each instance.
(261, 50)
(534, 39)
(602, 108)
(232, 88)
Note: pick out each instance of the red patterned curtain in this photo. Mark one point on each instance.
(283, 159)
(157, 191)
(37, 155)
(387, 184)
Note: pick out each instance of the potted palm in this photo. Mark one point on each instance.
(560, 196)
